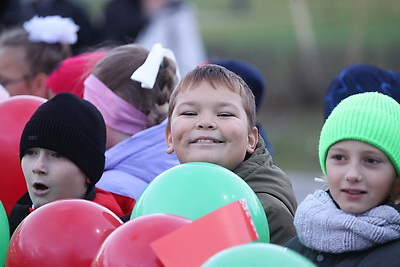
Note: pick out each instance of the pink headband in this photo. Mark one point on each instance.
(118, 114)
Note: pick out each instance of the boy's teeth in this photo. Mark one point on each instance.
(205, 141)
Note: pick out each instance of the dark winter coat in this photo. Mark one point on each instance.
(274, 190)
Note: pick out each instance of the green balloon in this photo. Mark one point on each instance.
(257, 255)
(195, 189)
(4, 234)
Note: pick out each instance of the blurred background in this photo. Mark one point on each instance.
(299, 46)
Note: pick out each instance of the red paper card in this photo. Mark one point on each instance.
(192, 244)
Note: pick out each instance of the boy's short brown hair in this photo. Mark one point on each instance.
(216, 75)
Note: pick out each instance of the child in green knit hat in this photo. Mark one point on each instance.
(355, 222)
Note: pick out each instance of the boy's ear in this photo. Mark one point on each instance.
(168, 140)
(252, 140)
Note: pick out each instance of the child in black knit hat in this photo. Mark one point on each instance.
(62, 156)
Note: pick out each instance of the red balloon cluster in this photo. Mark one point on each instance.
(77, 232)
(66, 232)
(15, 112)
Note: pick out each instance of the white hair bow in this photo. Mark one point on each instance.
(52, 29)
(147, 73)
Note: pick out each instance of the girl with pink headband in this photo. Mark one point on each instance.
(131, 87)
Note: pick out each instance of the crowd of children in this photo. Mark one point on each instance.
(116, 118)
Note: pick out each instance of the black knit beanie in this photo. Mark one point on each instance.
(72, 127)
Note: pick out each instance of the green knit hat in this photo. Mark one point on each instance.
(371, 117)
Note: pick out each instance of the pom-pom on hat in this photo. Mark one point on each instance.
(370, 117)
(72, 127)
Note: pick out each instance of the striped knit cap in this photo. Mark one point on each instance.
(371, 117)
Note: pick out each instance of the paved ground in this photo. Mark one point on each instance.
(304, 183)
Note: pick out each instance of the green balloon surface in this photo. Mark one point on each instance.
(195, 189)
(258, 255)
(4, 234)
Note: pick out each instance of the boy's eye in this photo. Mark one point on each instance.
(56, 155)
(225, 114)
(189, 113)
(30, 152)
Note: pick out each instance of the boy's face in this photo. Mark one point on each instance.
(360, 176)
(210, 125)
(50, 176)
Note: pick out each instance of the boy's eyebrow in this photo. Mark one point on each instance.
(194, 103)
(185, 104)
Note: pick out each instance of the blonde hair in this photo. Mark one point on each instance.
(115, 70)
(217, 76)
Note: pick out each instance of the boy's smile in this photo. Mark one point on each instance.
(210, 125)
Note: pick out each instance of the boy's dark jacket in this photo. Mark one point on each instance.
(274, 190)
(121, 207)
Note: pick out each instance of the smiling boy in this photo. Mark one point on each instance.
(212, 119)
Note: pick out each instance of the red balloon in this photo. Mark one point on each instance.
(15, 112)
(129, 245)
(67, 232)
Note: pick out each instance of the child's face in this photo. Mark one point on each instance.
(12, 73)
(210, 125)
(50, 176)
(360, 176)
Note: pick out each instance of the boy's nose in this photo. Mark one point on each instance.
(39, 167)
(206, 124)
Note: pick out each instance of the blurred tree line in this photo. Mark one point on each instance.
(300, 45)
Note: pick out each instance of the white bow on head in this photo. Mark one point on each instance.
(51, 30)
(147, 73)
